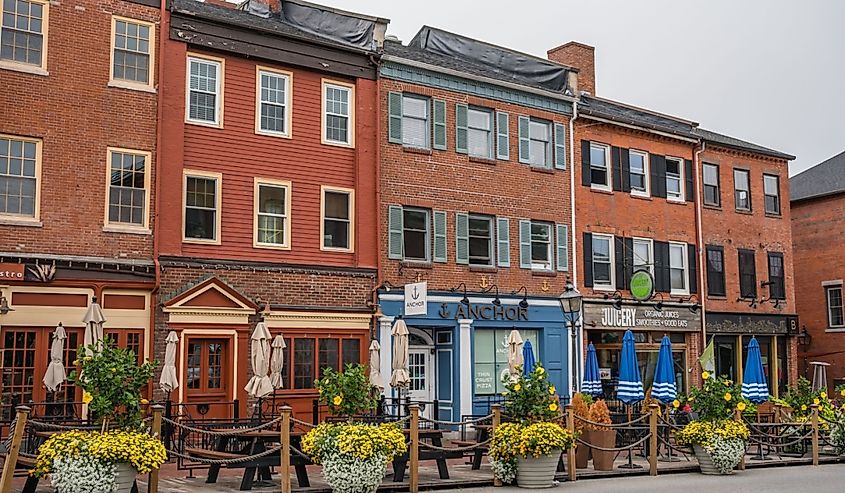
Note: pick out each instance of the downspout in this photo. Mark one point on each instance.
(572, 191)
(379, 275)
(701, 249)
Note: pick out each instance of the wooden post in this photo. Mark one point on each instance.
(152, 486)
(284, 467)
(414, 485)
(12, 453)
(570, 454)
(497, 420)
(652, 441)
(815, 421)
(738, 417)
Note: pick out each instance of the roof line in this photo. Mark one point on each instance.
(646, 110)
(335, 10)
(823, 195)
(817, 164)
(644, 128)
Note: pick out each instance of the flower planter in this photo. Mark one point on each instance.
(537, 472)
(345, 474)
(705, 462)
(582, 451)
(124, 477)
(602, 460)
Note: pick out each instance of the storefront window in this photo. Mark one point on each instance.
(491, 358)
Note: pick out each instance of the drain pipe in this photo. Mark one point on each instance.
(701, 249)
(579, 361)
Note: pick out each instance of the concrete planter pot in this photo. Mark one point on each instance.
(537, 472)
(582, 452)
(124, 477)
(705, 462)
(603, 461)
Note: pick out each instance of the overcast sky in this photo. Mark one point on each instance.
(770, 72)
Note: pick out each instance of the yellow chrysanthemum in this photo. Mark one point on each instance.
(540, 370)
(842, 392)
(552, 390)
(86, 397)
(741, 406)
(517, 387)
(816, 401)
(676, 403)
(803, 407)
(824, 395)
(728, 396)
(337, 400)
(553, 406)
(705, 375)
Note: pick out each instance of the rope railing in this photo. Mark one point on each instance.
(221, 433)
(629, 447)
(228, 461)
(626, 424)
(667, 442)
(465, 422)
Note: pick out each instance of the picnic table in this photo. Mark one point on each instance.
(435, 437)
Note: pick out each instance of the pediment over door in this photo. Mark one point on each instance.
(210, 301)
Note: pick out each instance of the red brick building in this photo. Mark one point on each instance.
(817, 198)
(474, 201)
(269, 188)
(77, 168)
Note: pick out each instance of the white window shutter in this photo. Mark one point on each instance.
(440, 236)
(394, 119)
(524, 139)
(502, 136)
(439, 119)
(560, 146)
(394, 237)
(525, 244)
(462, 238)
(562, 247)
(503, 241)
(461, 130)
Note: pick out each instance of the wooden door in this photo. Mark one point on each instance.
(208, 375)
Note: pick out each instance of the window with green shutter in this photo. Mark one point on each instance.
(502, 136)
(524, 140)
(560, 146)
(462, 238)
(562, 247)
(461, 130)
(439, 118)
(525, 244)
(440, 254)
(394, 237)
(394, 119)
(503, 241)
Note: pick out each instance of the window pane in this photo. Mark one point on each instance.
(415, 132)
(351, 351)
(415, 107)
(303, 364)
(336, 223)
(479, 143)
(636, 162)
(711, 175)
(642, 255)
(328, 355)
(337, 205)
(17, 177)
(673, 166)
(597, 156)
(771, 184)
(271, 199)
(601, 248)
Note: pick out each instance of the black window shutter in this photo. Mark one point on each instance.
(586, 177)
(662, 281)
(626, 170)
(619, 258)
(693, 275)
(688, 176)
(629, 261)
(616, 165)
(588, 260)
(658, 175)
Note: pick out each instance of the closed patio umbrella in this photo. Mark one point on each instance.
(528, 361)
(515, 359)
(375, 365)
(259, 385)
(630, 388)
(400, 378)
(93, 320)
(55, 375)
(664, 388)
(277, 361)
(169, 381)
(754, 386)
(591, 384)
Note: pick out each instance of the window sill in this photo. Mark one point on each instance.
(774, 216)
(126, 229)
(605, 191)
(414, 264)
(712, 207)
(604, 289)
(483, 268)
(204, 124)
(543, 273)
(199, 241)
(718, 297)
(676, 201)
(119, 84)
(23, 68)
(416, 150)
(742, 211)
(10, 221)
(482, 160)
(547, 171)
(835, 329)
(347, 145)
(642, 197)
(336, 249)
(679, 293)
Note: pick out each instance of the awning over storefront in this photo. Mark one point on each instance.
(670, 318)
(751, 323)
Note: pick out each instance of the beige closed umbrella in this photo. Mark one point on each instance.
(55, 375)
(400, 378)
(375, 365)
(514, 353)
(277, 361)
(169, 381)
(259, 385)
(93, 320)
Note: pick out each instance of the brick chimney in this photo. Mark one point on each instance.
(580, 56)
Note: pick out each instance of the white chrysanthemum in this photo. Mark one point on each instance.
(504, 470)
(726, 453)
(82, 474)
(347, 474)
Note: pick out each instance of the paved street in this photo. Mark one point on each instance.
(800, 479)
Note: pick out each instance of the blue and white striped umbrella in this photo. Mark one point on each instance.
(630, 388)
(528, 360)
(663, 388)
(591, 384)
(754, 386)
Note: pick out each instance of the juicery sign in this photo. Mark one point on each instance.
(641, 317)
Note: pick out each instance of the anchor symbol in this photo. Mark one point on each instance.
(415, 295)
(545, 286)
(444, 311)
(484, 284)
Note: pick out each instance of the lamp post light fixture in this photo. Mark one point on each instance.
(570, 304)
(804, 338)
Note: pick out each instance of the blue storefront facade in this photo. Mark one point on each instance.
(458, 350)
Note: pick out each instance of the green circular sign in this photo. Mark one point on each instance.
(642, 285)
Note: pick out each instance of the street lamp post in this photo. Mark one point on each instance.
(570, 301)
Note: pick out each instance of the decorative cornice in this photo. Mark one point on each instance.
(234, 265)
(323, 320)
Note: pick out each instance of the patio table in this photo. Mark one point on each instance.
(435, 437)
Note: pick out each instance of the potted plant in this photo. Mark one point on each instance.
(718, 440)
(602, 436)
(837, 429)
(581, 409)
(527, 451)
(354, 455)
(108, 460)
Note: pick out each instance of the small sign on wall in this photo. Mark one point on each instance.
(416, 298)
(604, 373)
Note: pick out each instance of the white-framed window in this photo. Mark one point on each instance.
(643, 255)
(204, 92)
(675, 179)
(273, 101)
(638, 165)
(23, 35)
(272, 213)
(416, 121)
(771, 191)
(742, 190)
(678, 277)
(20, 178)
(603, 261)
(835, 314)
(202, 196)
(416, 234)
(338, 113)
(132, 55)
(128, 189)
(599, 166)
(541, 246)
(480, 133)
(540, 143)
(712, 194)
(480, 240)
(337, 219)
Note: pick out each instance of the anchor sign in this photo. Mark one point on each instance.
(416, 298)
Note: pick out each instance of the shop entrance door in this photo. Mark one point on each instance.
(421, 388)
(208, 379)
